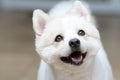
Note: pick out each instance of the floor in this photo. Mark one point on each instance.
(18, 59)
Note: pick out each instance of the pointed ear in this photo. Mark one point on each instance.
(81, 9)
(39, 20)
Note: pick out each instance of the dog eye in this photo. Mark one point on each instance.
(81, 32)
(58, 38)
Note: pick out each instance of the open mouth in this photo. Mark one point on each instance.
(75, 58)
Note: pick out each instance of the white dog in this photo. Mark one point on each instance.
(69, 44)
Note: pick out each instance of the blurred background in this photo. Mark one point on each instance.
(18, 59)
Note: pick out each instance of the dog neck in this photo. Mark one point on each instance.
(74, 73)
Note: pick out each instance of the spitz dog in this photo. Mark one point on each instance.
(69, 44)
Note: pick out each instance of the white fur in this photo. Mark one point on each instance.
(67, 23)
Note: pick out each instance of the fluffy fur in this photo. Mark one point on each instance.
(66, 20)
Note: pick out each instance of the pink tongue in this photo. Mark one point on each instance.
(77, 60)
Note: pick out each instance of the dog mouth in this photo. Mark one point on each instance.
(75, 58)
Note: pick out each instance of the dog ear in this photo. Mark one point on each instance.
(79, 8)
(39, 20)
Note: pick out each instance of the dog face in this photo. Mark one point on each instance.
(71, 40)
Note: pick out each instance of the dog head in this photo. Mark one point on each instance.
(71, 40)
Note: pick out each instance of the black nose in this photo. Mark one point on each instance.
(74, 43)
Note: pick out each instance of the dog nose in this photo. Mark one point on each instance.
(74, 43)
